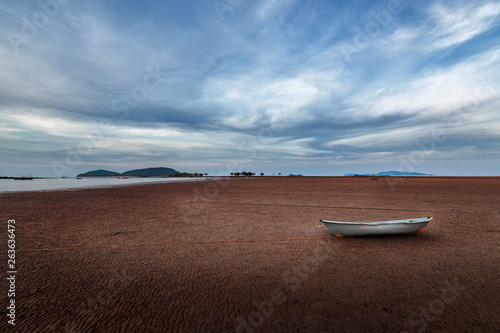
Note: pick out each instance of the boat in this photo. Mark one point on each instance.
(122, 177)
(394, 227)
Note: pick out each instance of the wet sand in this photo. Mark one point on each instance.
(248, 255)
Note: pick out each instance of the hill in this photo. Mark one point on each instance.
(148, 172)
(99, 173)
(151, 172)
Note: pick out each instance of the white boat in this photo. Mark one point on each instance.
(394, 227)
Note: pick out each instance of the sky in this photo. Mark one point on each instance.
(314, 87)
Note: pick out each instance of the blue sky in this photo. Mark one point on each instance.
(312, 87)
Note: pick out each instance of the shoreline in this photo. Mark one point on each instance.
(123, 182)
(155, 180)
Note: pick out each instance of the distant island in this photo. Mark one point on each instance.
(389, 173)
(148, 172)
(99, 173)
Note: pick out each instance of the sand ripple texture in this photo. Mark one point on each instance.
(248, 255)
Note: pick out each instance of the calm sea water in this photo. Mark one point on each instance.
(11, 185)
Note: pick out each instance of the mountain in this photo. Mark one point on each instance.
(99, 173)
(151, 172)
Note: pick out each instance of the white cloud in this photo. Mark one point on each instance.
(442, 26)
(387, 139)
(44, 121)
(249, 97)
(460, 22)
(461, 99)
(442, 90)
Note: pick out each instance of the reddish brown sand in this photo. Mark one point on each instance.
(249, 255)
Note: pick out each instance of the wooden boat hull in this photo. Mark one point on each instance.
(395, 227)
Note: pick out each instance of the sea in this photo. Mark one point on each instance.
(44, 184)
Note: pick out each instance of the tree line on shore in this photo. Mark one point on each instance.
(247, 174)
(243, 174)
(188, 174)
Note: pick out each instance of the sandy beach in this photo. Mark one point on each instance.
(248, 255)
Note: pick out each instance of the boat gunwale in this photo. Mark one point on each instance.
(406, 221)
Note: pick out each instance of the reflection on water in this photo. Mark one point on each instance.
(9, 185)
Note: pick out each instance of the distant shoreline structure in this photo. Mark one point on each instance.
(23, 178)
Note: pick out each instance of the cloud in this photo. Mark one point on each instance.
(438, 90)
(267, 84)
(457, 22)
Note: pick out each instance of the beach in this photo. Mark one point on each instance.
(248, 255)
